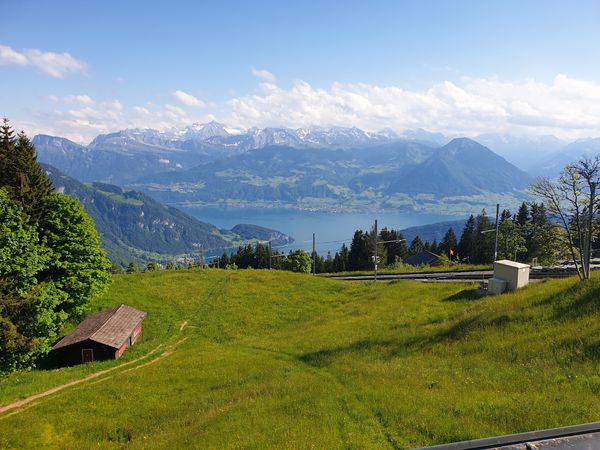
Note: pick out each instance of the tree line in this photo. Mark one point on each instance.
(51, 262)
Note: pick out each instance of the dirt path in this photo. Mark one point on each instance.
(32, 398)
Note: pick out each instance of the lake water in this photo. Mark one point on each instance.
(301, 225)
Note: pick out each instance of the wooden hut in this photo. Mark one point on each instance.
(103, 335)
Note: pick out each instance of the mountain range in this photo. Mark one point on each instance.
(313, 168)
(134, 227)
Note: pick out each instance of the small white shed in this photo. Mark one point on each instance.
(515, 274)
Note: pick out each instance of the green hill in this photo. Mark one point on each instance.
(133, 226)
(259, 359)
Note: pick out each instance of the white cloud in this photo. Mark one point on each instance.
(70, 99)
(188, 99)
(265, 75)
(54, 64)
(9, 56)
(83, 122)
(565, 107)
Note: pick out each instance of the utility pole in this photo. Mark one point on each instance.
(497, 225)
(270, 256)
(314, 256)
(375, 253)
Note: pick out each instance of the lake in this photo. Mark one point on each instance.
(301, 225)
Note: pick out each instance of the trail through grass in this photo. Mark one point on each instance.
(279, 360)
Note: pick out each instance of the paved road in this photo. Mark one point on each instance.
(458, 276)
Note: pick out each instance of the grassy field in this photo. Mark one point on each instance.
(280, 360)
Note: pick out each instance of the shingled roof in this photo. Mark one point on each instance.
(111, 327)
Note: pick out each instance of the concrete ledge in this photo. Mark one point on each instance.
(577, 437)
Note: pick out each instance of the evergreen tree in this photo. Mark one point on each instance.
(484, 240)
(523, 215)
(224, 261)
(340, 260)
(261, 257)
(385, 236)
(416, 246)
(328, 265)
(22, 176)
(434, 248)
(359, 257)
(448, 243)
(466, 245)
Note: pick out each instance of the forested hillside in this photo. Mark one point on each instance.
(133, 226)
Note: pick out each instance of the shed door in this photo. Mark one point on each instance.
(87, 355)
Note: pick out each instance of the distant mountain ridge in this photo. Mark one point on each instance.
(309, 168)
(135, 227)
(398, 175)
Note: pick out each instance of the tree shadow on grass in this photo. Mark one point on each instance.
(382, 349)
(465, 294)
(582, 299)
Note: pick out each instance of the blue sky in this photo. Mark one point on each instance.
(462, 67)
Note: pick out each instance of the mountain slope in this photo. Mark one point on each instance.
(132, 224)
(461, 167)
(146, 151)
(553, 164)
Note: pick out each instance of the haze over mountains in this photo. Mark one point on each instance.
(314, 168)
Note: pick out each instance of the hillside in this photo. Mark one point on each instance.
(133, 226)
(259, 359)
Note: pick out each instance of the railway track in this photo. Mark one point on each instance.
(457, 275)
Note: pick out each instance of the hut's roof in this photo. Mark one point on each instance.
(111, 327)
(422, 258)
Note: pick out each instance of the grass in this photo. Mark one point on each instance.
(279, 360)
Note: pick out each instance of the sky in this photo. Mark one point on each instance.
(81, 68)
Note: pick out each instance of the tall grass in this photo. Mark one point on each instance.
(279, 360)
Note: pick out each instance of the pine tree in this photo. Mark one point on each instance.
(416, 246)
(466, 245)
(340, 260)
(523, 215)
(261, 257)
(448, 243)
(483, 239)
(505, 215)
(329, 267)
(359, 257)
(434, 248)
(22, 176)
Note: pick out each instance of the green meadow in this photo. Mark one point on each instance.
(260, 359)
